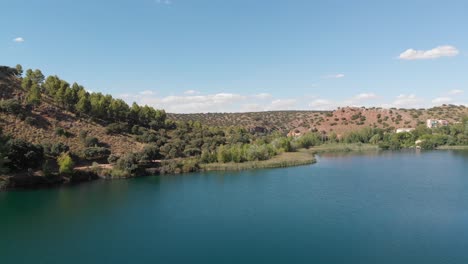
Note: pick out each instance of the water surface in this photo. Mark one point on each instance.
(391, 207)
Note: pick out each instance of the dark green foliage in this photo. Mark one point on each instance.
(151, 152)
(62, 132)
(30, 121)
(55, 149)
(129, 163)
(23, 155)
(96, 153)
(11, 106)
(91, 142)
(116, 128)
(34, 95)
(19, 70)
(32, 78)
(3, 152)
(182, 166)
(112, 159)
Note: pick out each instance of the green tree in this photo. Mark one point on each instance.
(34, 95)
(19, 70)
(83, 106)
(65, 163)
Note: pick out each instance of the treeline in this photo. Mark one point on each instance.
(19, 155)
(426, 138)
(77, 99)
(189, 141)
(181, 146)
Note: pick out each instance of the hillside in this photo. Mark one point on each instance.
(40, 124)
(51, 131)
(339, 121)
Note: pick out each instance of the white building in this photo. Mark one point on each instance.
(432, 123)
(402, 130)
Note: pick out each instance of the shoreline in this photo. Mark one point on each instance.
(464, 147)
(283, 160)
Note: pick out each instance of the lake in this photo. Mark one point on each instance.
(388, 207)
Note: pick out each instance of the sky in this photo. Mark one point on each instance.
(189, 56)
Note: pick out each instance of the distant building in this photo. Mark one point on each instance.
(433, 123)
(402, 130)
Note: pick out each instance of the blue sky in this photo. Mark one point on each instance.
(230, 56)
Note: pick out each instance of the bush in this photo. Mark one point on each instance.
(112, 159)
(128, 163)
(91, 142)
(10, 106)
(96, 153)
(151, 152)
(62, 132)
(23, 155)
(116, 128)
(56, 149)
(65, 163)
(30, 121)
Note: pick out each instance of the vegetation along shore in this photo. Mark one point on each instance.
(54, 133)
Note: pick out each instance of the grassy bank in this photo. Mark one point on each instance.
(453, 147)
(339, 147)
(286, 159)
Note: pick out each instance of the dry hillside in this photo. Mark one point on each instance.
(48, 118)
(338, 121)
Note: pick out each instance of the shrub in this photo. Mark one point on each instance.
(116, 128)
(65, 163)
(112, 159)
(55, 149)
(62, 132)
(91, 142)
(24, 155)
(10, 106)
(96, 153)
(128, 163)
(30, 121)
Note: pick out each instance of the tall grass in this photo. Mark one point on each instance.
(286, 159)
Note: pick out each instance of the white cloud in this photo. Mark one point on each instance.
(146, 92)
(441, 51)
(335, 76)
(282, 104)
(322, 104)
(252, 108)
(220, 102)
(409, 101)
(442, 100)
(455, 92)
(190, 92)
(365, 96)
(263, 96)
(18, 40)
(359, 99)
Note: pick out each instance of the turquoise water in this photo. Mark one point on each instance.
(404, 207)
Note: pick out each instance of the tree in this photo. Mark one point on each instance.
(34, 95)
(83, 106)
(3, 153)
(65, 163)
(19, 70)
(32, 78)
(23, 155)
